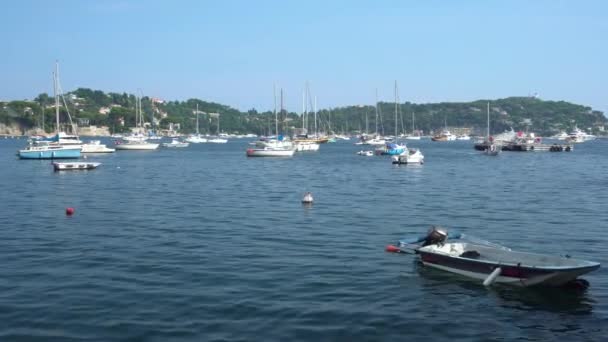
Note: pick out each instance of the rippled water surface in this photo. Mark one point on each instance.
(205, 244)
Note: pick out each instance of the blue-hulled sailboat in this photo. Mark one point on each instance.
(43, 149)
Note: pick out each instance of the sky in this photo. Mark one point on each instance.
(234, 52)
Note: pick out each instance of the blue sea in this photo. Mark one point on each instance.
(204, 244)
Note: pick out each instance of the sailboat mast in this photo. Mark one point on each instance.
(376, 111)
(395, 109)
(276, 119)
(488, 121)
(315, 110)
(282, 117)
(197, 119)
(55, 75)
(303, 109)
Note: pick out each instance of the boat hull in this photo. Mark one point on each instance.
(50, 154)
(513, 273)
(253, 152)
(137, 147)
(74, 166)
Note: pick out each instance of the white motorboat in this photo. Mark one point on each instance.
(176, 143)
(196, 139)
(302, 145)
(579, 136)
(217, 141)
(366, 153)
(409, 156)
(95, 146)
(492, 263)
(463, 137)
(136, 145)
(74, 166)
(270, 152)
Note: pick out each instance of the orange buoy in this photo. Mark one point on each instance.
(69, 211)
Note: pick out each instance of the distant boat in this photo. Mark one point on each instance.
(492, 149)
(137, 140)
(270, 152)
(415, 134)
(278, 147)
(196, 138)
(176, 143)
(409, 156)
(95, 146)
(74, 166)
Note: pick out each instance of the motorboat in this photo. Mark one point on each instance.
(270, 152)
(409, 156)
(463, 137)
(391, 149)
(493, 263)
(306, 145)
(196, 139)
(579, 136)
(366, 153)
(176, 143)
(74, 166)
(47, 150)
(135, 145)
(95, 146)
(217, 140)
(445, 135)
(492, 150)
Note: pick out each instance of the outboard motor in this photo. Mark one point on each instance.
(435, 236)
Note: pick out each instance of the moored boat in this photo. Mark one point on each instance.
(136, 145)
(46, 150)
(409, 156)
(95, 146)
(270, 152)
(492, 263)
(176, 143)
(74, 166)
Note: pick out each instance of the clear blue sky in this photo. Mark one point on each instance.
(233, 52)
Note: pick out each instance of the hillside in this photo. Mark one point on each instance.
(117, 111)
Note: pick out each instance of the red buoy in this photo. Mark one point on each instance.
(392, 249)
(69, 211)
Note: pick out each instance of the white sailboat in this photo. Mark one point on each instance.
(137, 141)
(196, 138)
(218, 139)
(274, 147)
(415, 134)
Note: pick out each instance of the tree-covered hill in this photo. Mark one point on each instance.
(95, 107)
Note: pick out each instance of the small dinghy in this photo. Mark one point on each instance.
(492, 263)
(74, 166)
(366, 153)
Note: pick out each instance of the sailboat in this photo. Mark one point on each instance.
(136, 141)
(51, 149)
(415, 134)
(304, 142)
(196, 138)
(218, 139)
(278, 147)
(393, 148)
(492, 149)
